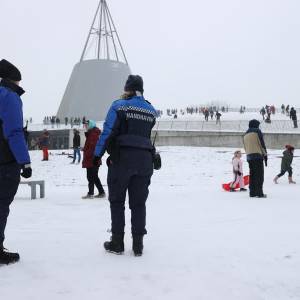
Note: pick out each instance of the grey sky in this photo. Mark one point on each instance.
(189, 52)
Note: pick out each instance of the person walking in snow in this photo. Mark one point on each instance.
(76, 146)
(218, 117)
(286, 164)
(256, 151)
(14, 156)
(44, 144)
(127, 138)
(206, 114)
(293, 116)
(238, 177)
(263, 112)
(92, 136)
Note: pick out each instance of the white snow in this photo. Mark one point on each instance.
(202, 243)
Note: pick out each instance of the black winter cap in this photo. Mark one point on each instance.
(254, 123)
(9, 71)
(134, 83)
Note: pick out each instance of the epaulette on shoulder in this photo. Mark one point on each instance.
(148, 101)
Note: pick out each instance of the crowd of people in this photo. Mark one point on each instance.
(268, 110)
(126, 137)
(56, 121)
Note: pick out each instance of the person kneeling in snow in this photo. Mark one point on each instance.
(238, 178)
(286, 163)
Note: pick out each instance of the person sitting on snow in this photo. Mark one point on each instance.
(286, 163)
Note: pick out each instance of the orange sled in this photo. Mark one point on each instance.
(226, 186)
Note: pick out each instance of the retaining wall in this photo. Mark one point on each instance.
(63, 139)
(221, 139)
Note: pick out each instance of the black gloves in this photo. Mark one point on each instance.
(26, 171)
(97, 161)
(266, 160)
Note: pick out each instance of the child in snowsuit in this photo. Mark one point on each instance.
(286, 163)
(238, 178)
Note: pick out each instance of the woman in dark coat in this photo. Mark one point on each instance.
(286, 163)
(92, 136)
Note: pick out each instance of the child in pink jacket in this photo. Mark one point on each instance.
(238, 177)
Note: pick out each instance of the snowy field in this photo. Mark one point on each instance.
(202, 243)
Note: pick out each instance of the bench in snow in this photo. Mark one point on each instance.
(33, 185)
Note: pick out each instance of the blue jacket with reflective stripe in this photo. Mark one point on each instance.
(12, 141)
(129, 122)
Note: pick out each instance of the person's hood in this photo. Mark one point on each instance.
(254, 124)
(91, 124)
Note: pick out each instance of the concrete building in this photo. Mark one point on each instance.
(99, 77)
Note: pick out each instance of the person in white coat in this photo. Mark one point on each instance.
(238, 177)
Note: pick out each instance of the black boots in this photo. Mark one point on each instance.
(137, 245)
(7, 258)
(116, 244)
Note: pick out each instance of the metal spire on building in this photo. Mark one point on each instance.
(103, 40)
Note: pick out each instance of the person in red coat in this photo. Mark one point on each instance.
(92, 136)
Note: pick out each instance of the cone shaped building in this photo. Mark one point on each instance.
(99, 77)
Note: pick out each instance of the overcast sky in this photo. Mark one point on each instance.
(189, 52)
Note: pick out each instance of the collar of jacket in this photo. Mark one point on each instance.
(12, 86)
(252, 129)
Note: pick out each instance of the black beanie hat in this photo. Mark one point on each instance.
(134, 83)
(254, 123)
(9, 71)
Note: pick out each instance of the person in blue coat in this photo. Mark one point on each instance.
(14, 156)
(126, 137)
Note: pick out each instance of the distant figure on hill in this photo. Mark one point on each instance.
(293, 116)
(218, 117)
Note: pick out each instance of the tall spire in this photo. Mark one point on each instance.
(103, 41)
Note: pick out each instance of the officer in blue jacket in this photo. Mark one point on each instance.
(126, 137)
(14, 157)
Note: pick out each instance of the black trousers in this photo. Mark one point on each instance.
(256, 168)
(132, 174)
(290, 171)
(9, 183)
(93, 179)
(295, 123)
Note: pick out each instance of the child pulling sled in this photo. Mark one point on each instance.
(286, 163)
(238, 178)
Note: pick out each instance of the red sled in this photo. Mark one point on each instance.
(226, 186)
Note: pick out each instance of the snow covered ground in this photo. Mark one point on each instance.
(203, 243)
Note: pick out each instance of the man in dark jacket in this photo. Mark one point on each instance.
(293, 115)
(256, 155)
(126, 137)
(14, 157)
(76, 146)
